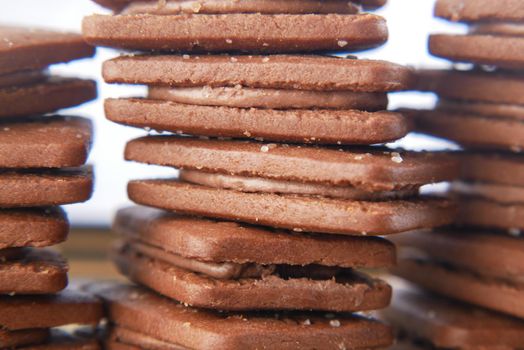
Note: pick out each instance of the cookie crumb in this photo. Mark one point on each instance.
(186, 57)
(359, 157)
(247, 133)
(307, 322)
(234, 59)
(334, 323)
(395, 157)
(6, 129)
(265, 59)
(342, 43)
(515, 232)
(264, 149)
(229, 41)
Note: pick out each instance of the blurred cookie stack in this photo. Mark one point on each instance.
(41, 167)
(481, 109)
(280, 147)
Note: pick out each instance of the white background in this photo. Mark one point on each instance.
(409, 21)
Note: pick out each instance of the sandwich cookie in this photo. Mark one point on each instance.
(25, 49)
(491, 191)
(45, 96)
(36, 271)
(140, 316)
(37, 188)
(290, 275)
(28, 322)
(288, 205)
(231, 31)
(473, 86)
(471, 130)
(50, 142)
(428, 322)
(275, 112)
(475, 267)
(480, 10)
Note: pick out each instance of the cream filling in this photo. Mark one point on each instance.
(240, 6)
(257, 184)
(242, 97)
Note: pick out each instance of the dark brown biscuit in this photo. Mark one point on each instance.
(65, 308)
(451, 325)
(473, 85)
(43, 188)
(242, 97)
(476, 48)
(51, 142)
(209, 240)
(471, 130)
(485, 213)
(258, 184)
(372, 169)
(502, 194)
(37, 272)
(45, 97)
(294, 212)
(241, 6)
(463, 285)
(157, 317)
(480, 10)
(494, 255)
(495, 110)
(17, 339)
(317, 73)
(345, 293)
(236, 32)
(29, 48)
(32, 227)
(25, 77)
(311, 126)
(498, 168)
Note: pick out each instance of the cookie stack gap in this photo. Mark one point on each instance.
(481, 110)
(42, 166)
(265, 237)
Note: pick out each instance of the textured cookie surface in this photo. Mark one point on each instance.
(36, 272)
(277, 71)
(453, 325)
(40, 227)
(480, 10)
(43, 188)
(46, 96)
(236, 32)
(157, 317)
(294, 212)
(478, 49)
(312, 126)
(219, 241)
(29, 48)
(50, 142)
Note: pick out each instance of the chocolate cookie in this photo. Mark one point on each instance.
(36, 188)
(299, 125)
(46, 96)
(51, 142)
(502, 194)
(147, 314)
(494, 110)
(478, 49)
(292, 211)
(36, 272)
(497, 168)
(445, 324)
(233, 32)
(209, 240)
(29, 48)
(507, 88)
(463, 285)
(485, 213)
(20, 339)
(35, 227)
(273, 72)
(242, 281)
(480, 10)
(22, 78)
(371, 169)
(471, 130)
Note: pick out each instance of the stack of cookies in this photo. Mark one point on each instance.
(41, 167)
(261, 241)
(479, 261)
